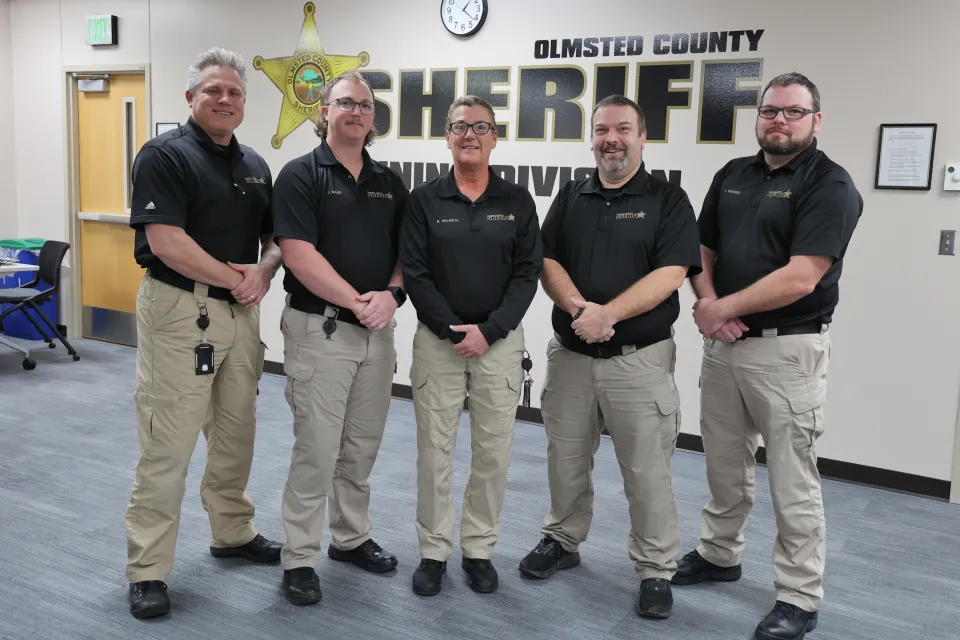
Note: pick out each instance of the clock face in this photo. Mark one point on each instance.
(463, 17)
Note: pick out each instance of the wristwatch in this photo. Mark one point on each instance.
(398, 294)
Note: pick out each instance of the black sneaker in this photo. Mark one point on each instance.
(369, 556)
(547, 558)
(692, 569)
(149, 599)
(426, 579)
(656, 598)
(786, 622)
(301, 586)
(483, 575)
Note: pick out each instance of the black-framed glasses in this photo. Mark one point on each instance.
(346, 104)
(768, 112)
(479, 128)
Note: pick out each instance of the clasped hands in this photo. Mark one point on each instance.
(592, 322)
(714, 323)
(375, 309)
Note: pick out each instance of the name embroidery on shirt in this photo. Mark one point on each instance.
(631, 216)
(255, 180)
(733, 191)
(334, 193)
(441, 220)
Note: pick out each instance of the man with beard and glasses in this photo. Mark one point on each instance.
(617, 246)
(773, 230)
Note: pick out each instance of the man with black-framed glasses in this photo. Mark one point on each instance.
(337, 218)
(471, 254)
(774, 229)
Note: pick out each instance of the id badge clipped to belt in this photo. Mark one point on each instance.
(203, 352)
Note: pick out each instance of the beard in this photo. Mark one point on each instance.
(787, 147)
(610, 165)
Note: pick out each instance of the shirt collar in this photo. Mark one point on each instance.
(497, 187)
(637, 186)
(794, 164)
(204, 140)
(324, 155)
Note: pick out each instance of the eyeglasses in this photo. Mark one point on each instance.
(346, 104)
(479, 128)
(790, 113)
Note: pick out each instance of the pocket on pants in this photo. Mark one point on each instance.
(297, 391)
(156, 415)
(806, 420)
(258, 364)
(668, 405)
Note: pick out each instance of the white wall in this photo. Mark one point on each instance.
(895, 375)
(8, 183)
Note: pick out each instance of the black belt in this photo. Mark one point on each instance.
(600, 350)
(174, 279)
(792, 330)
(319, 307)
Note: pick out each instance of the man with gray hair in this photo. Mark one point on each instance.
(337, 217)
(201, 211)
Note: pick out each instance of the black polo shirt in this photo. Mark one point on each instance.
(608, 239)
(354, 224)
(219, 195)
(471, 262)
(756, 219)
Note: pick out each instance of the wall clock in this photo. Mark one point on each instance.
(463, 17)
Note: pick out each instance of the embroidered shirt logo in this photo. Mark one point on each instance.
(255, 180)
(499, 217)
(379, 194)
(442, 220)
(150, 206)
(334, 192)
(733, 191)
(631, 216)
(779, 194)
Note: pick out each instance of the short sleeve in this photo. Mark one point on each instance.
(825, 217)
(266, 219)
(708, 223)
(294, 204)
(678, 241)
(550, 230)
(161, 191)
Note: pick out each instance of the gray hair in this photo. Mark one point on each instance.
(215, 57)
(470, 101)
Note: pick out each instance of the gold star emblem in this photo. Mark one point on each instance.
(511, 217)
(641, 215)
(301, 77)
(787, 194)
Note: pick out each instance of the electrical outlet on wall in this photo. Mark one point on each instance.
(948, 240)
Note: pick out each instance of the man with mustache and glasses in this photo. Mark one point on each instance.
(337, 220)
(774, 229)
(617, 247)
(471, 254)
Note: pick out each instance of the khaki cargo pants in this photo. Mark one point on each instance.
(441, 380)
(339, 393)
(634, 395)
(174, 404)
(774, 388)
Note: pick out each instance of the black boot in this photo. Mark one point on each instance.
(656, 598)
(692, 568)
(547, 558)
(786, 622)
(483, 576)
(427, 577)
(301, 586)
(257, 550)
(368, 556)
(149, 599)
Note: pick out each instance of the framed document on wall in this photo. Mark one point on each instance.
(163, 127)
(905, 156)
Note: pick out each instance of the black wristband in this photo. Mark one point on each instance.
(579, 313)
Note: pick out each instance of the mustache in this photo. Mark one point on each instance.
(613, 147)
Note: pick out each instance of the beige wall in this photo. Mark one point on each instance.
(8, 182)
(895, 374)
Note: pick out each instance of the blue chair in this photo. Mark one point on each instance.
(27, 297)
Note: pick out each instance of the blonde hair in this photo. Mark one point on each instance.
(347, 76)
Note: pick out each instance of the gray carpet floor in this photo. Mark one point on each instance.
(68, 450)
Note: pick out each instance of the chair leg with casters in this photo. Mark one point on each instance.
(53, 328)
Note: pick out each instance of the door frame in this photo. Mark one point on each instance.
(73, 308)
(955, 467)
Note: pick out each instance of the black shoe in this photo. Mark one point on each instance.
(301, 586)
(149, 599)
(257, 550)
(368, 556)
(547, 558)
(426, 579)
(483, 577)
(786, 622)
(656, 598)
(692, 568)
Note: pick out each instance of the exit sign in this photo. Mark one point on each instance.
(101, 30)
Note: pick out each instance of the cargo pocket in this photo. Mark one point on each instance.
(157, 418)
(424, 389)
(806, 419)
(297, 391)
(261, 354)
(668, 405)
